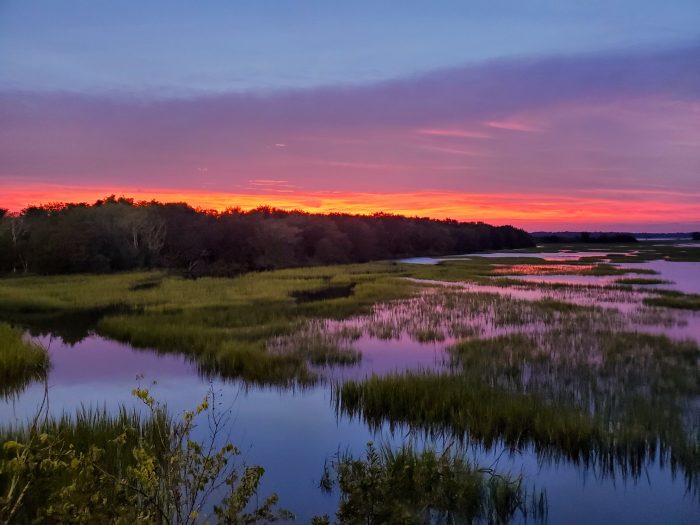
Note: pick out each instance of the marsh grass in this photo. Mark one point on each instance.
(90, 426)
(95, 467)
(21, 362)
(409, 486)
(61, 438)
(223, 324)
(673, 299)
(571, 382)
(641, 281)
(453, 407)
(233, 326)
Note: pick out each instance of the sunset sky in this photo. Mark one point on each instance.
(549, 115)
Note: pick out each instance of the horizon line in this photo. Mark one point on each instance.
(540, 212)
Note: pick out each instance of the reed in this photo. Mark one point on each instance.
(454, 407)
(678, 300)
(407, 485)
(21, 361)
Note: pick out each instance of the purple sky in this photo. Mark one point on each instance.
(586, 131)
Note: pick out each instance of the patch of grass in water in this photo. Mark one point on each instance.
(408, 486)
(671, 299)
(528, 390)
(641, 281)
(21, 362)
(428, 335)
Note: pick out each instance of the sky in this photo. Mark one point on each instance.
(548, 115)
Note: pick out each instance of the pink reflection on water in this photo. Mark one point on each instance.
(384, 356)
(683, 276)
(99, 360)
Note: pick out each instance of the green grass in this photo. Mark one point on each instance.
(641, 281)
(55, 439)
(89, 426)
(645, 251)
(223, 324)
(21, 362)
(678, 300)
(469, 411)
(407, 486)
(527, 390)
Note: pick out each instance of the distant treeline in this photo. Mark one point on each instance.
(120, 234)
(584, 237)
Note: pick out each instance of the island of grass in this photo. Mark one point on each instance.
(21, 361)
(674, 299)
(633, 281)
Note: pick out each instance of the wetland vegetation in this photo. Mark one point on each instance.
(21, 361)
(599, 376)
(402, 486)
(127, 468)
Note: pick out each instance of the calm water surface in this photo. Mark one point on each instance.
(293, 432)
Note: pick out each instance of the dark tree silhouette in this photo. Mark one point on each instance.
(116, 234)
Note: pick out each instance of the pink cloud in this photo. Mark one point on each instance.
(456, 133)
(514, 125)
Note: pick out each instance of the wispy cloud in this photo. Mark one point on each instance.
(514, 125)
(453, 151)
(455, 133)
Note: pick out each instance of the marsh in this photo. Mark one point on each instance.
(585, 396)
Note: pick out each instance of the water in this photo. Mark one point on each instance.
(682, 276)
(561, 256)
(292, 432)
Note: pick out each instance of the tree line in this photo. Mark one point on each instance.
(118, 234)
(585, 237)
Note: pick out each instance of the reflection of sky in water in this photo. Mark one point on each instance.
(292, 432)
(683, 276)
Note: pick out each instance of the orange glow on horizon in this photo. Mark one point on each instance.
(528, 211)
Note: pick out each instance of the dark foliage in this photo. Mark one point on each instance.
(584, 237)
(117, 234)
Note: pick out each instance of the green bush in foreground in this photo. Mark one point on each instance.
(127, 470)
(20, 361)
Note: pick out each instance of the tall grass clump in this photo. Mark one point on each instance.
(671, 299)
(21, 361)
(407, 486)
(473, 412)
